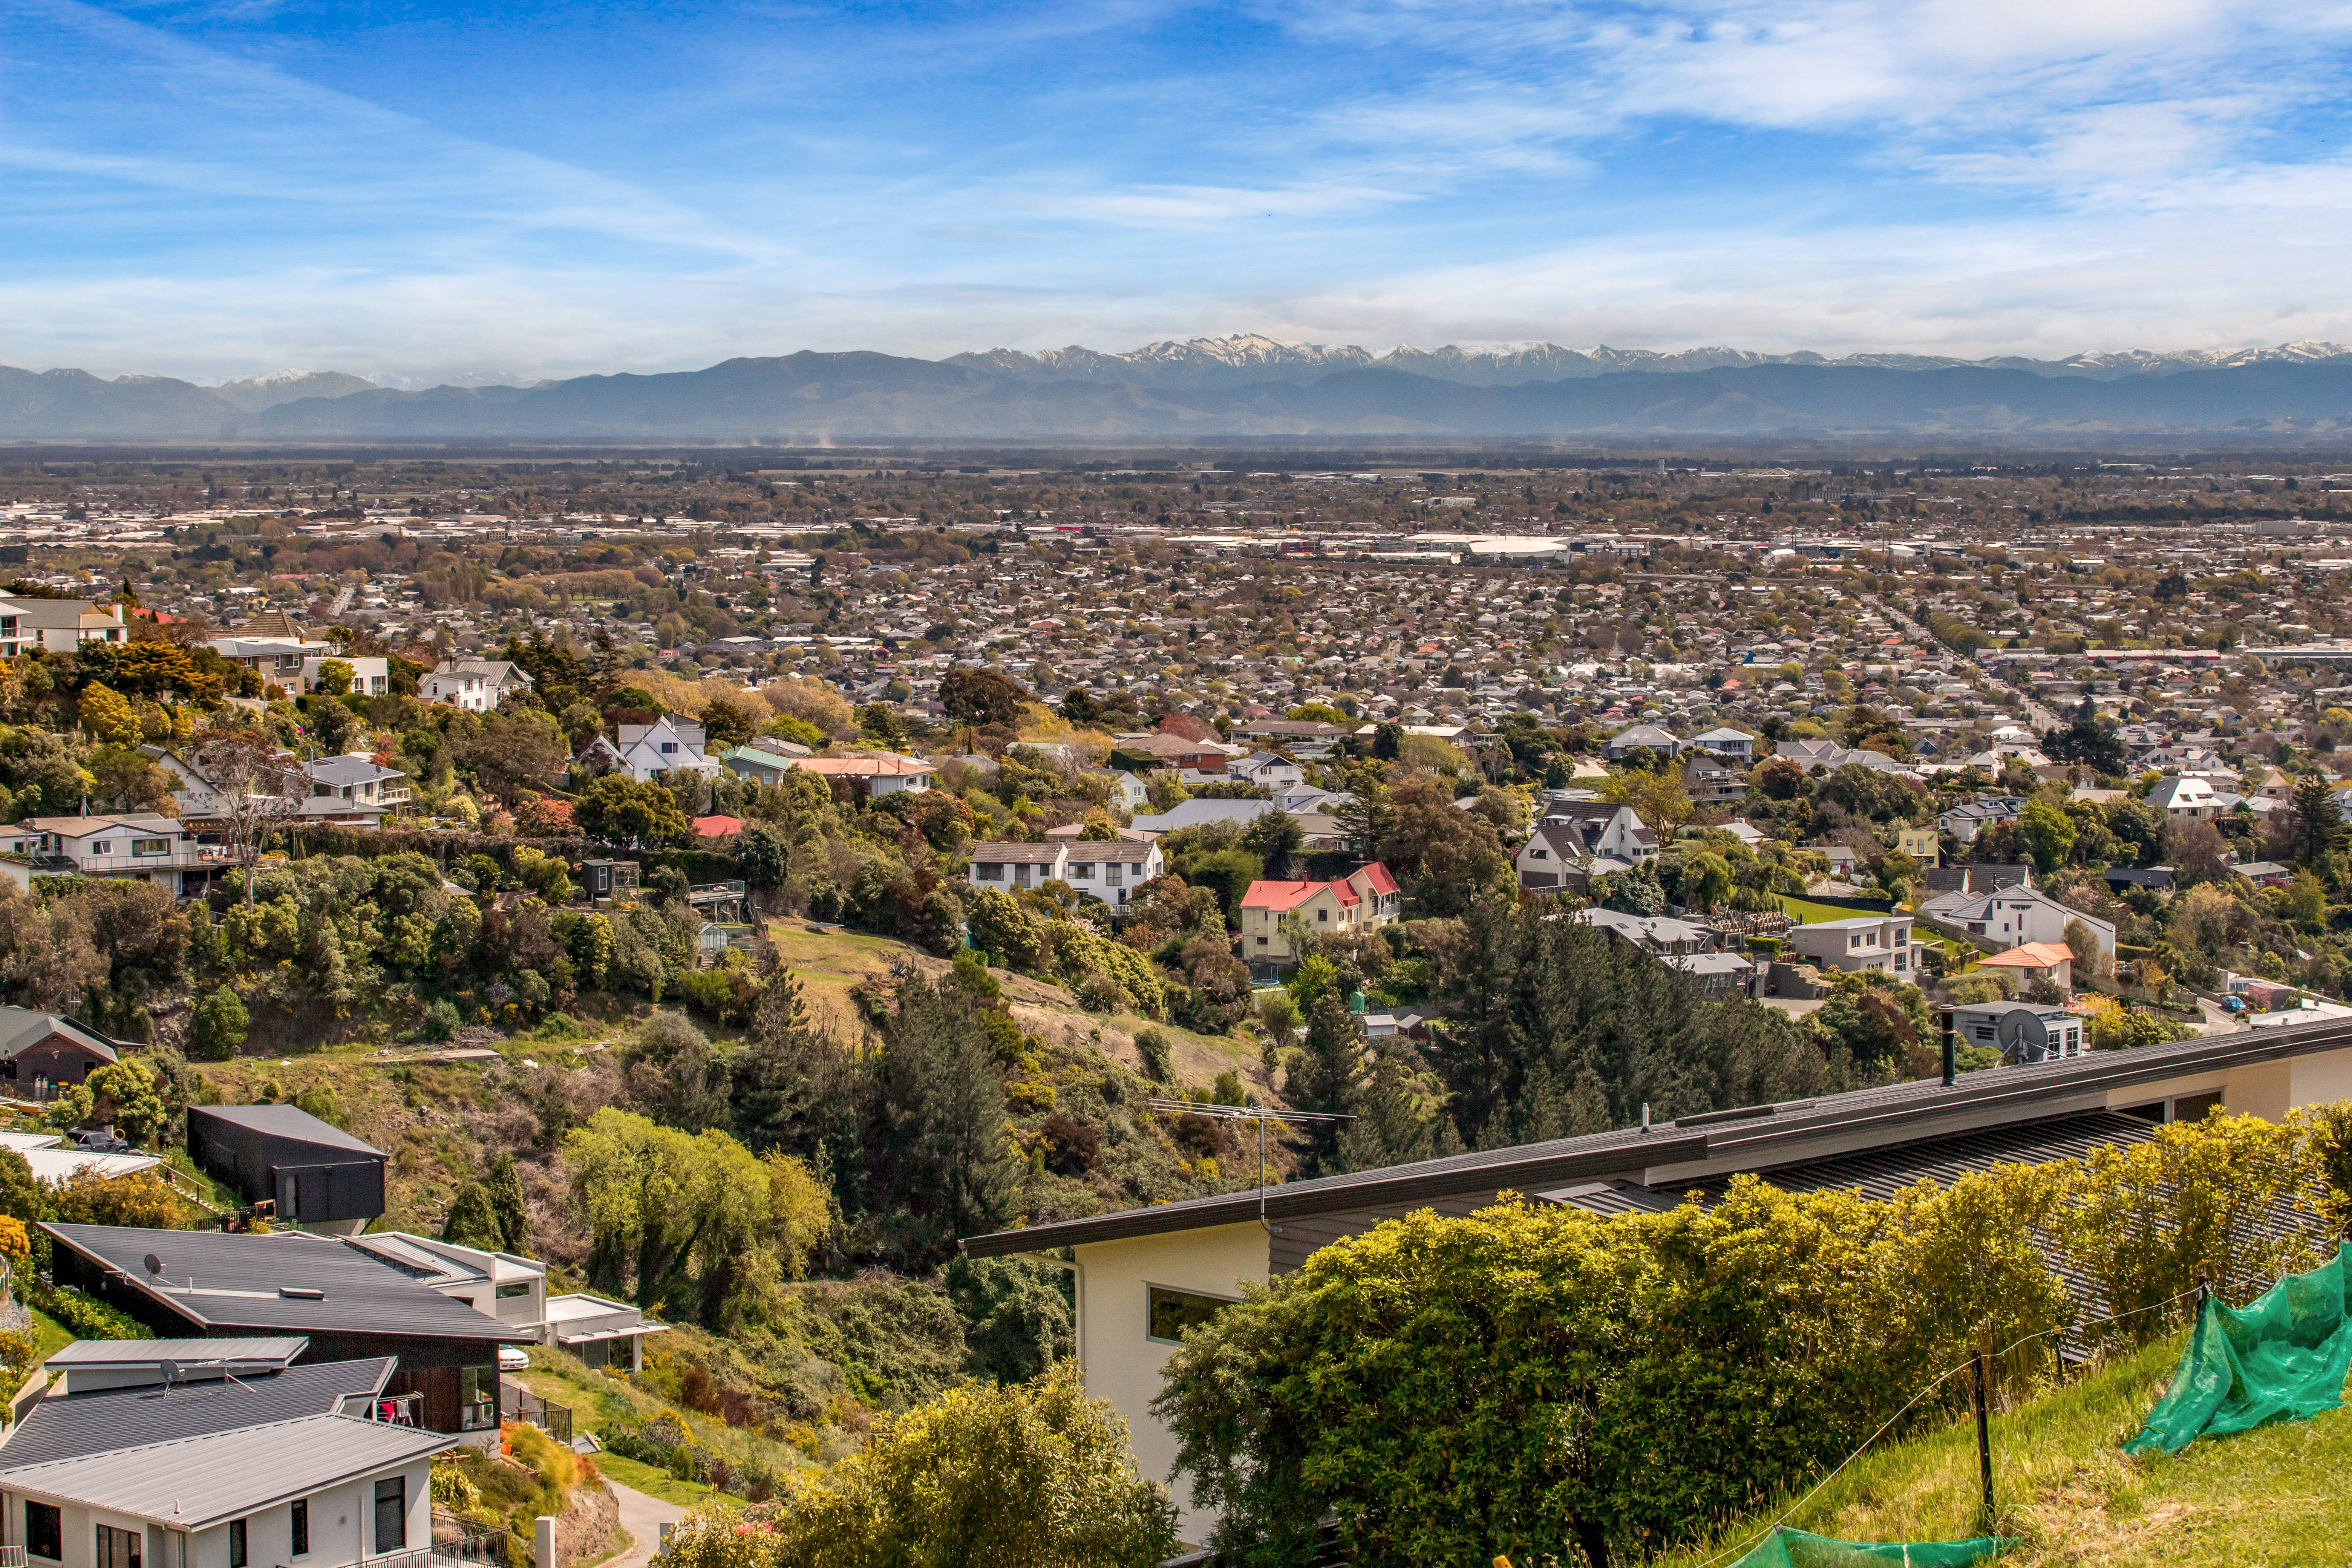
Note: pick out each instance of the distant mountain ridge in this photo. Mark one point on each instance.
(1244, 387)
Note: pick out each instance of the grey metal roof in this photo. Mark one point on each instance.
(1752, 1138)
(286, 1121)
(21, 1028)
(194, 1483)
(237, 1280)
(148, 1353)
(68, 1425)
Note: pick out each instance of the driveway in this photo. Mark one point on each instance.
(643, 1518)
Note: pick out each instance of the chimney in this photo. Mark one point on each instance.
(1951, 1067)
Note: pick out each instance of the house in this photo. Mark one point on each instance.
(1737, 747)
(2028, 961)
(1603, 827)
(1128, 793)
(476, 685)
(51, 1159)
(1654, 737)
(140, 846)
(294, 662)
(1866, 941)
(1968, 818)
(351, 788)
(351, 1303)
(1555, 859)
(314, 1173)
(1708, 780)
(1921, 843)
(1144, 1272)
(40, 1050)
(1828, 757)
(153, 1450)
(1305, 738)
(880, 775)
(1194, 761)
(668, 744)
(1978, 877)
(2188, 796)
(762, 762)
(1268, 769)
(61, 624)
(2020, 1031)
(2011, 917)
(1193, 813)
(1365, 898)
(1107, 872)
(1659, 935)
(514, 1290)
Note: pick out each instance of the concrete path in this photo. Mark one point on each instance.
(643, 1518)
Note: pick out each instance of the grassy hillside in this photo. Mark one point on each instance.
(2272, 1497)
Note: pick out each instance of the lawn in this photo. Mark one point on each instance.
(2065, 1488)
(1811, 913)
(659, 1484)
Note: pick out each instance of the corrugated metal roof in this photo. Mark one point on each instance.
(193, 1483)
(1888, 1114)
(218, 1280)
(286, 1121)
(68, 1426)
(147, 1352)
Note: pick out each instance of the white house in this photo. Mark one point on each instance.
(294, 662)
(2013, 916)
(667, 745)
(475, 685)
(140, 846)
(1866, 941)
(1266, 769)
(1733, 745)
(2188, 797)
(62, 624)
(513, 1289)
(1107, 871)
(1602, 827)
(353, 788)
(885, 775)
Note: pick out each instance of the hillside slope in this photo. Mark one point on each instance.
(2272, 1496)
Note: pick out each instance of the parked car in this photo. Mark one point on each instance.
(102, 1143)
(513, 1358)
(2233, 1004)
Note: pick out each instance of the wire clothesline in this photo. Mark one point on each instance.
(1942, 1378)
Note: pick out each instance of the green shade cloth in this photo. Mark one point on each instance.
(1787, 1548)
(2283, 1357)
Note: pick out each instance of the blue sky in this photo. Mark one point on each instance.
(426, 190)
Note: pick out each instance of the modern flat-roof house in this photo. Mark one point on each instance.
(1144, 1274)
(318, 1176)
(2021, 1031)
(213, 1454)
(138, 846)
(351, 1303)
(353, 789)
(513, 1289)
(1866, 941)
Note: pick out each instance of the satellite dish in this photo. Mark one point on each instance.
(155, 1264)
(2022, 1031)
(171, 1373)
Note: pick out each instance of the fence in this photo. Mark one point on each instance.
(454, 1543)
(517, 1403)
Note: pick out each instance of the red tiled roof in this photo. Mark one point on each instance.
(1376, 877)
(1280, 895)
(717, 826)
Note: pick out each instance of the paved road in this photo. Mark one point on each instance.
(643, 1518)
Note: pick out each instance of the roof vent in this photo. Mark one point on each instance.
(302, 1293)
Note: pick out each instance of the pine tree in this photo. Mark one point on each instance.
(2315, 822)
(1328, 1076)
(1388, 1129)
(942, 1118)
(794, 1088)
(473, 1221)
(507, 1208)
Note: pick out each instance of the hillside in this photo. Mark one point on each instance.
(2065, 1488)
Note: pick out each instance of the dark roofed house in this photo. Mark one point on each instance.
(350, 1304)
(39, 1049)
(316, 1174)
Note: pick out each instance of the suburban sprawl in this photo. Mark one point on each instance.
(1255, 1006)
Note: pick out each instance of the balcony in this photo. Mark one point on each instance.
(394, 794)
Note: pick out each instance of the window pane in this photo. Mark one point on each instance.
(391, 1514)
(237, 1543)
(44, 1531)
(298, 1529)
(1175, 1311)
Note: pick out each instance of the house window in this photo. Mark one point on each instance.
(119, 1548)
(391, 1512)
(297, 1531)
(1261, 942)
(1112, 873)
(989, 871)
(104, 846)
(515, 1291)
(1323, 915)
(1172, 1312)
(1083, 871)
(669, 746)
(477, 1399)
(150, 847)
(239, 1544)
(44, 1531)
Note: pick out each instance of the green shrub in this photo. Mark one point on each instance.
(217, 1029)
(87, 1317)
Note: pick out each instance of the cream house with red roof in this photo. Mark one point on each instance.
(1364, 898)
(2050, 960)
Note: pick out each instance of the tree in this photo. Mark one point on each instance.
(1327, 1077)
(2089, 742)
(334, 678)
(1387, 741)
(1659, 799)
(160, 668)
(945, 1157)
(725, 725)
(2315, 820)
(981, 697)
(217, 1029)
(108, 715)
(256, 789)
(2046, 832)
(1707, 880)
(471, 1222)
(510, 753)
(617, 809)
(1777, 778)
(1001, 927)
(1370, 818)
(143, 1200)
(123, 1096)
(674, 1074)
(794, 1089)
(331, 725)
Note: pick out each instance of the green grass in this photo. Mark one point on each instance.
(49, 1334)
(659, 1484)
(2063, 1487)
(1811, 913)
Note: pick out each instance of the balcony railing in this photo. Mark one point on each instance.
(517, 1403)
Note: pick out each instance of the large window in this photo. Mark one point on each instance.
(478, 1398)
(511, 1292)
(391, 1514)
(150, 847)
(45, 1534)
(1175, 1311)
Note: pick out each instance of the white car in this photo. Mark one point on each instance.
(513, 1358)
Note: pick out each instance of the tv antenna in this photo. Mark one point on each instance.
(1260, 1114)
